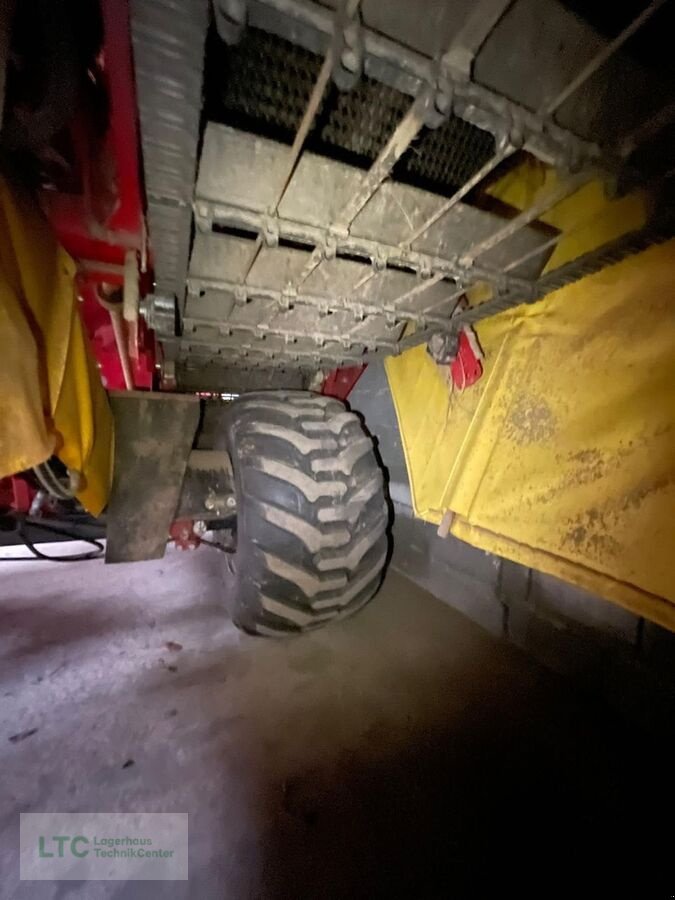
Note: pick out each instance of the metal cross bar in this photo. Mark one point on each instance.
(608, 254)
(475, 179)
(405, 132)
(298, 356)
(262, 331)
(347, 10)
(366, 278)
(407, 71)
(581, 222)
(559, 192)
(284, 301)
(548, 200)
(418, 289)
(601, 58)
(314, 261)
(647, 129)
(296, 149)
(566, 188)
(535, 251)
(355, 245)
(438, 303)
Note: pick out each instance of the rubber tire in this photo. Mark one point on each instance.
(312, 519)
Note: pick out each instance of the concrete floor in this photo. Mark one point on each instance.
(402, 753)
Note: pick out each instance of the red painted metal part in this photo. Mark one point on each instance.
(106, 220)
(183, 534)
(100, 330)
(340, 382)
(467, 368)
(16, 494)
(99, 225)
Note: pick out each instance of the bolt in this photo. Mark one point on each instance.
(231, 502)
(350, 60)
(240, 295)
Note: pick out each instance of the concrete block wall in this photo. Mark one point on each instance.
(606, 650)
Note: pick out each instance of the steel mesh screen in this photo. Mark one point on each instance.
(264, 83)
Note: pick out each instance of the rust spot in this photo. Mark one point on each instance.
(634, 498)
(576, 536)
(589, 535)
(531, 421)
(591, 465)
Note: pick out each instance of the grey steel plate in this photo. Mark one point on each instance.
(153, 436)
(343, 308)
(243, 170)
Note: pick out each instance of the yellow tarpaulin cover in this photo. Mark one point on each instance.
(51, 397)
(563, 456)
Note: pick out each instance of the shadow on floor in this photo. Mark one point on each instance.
(401, 753)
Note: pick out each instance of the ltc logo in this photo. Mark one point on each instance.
(58, 842)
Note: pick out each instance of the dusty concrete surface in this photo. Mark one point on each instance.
(402, 753)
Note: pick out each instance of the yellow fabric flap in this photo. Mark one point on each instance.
(51, 397)
(563, 455)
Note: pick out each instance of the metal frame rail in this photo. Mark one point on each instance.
(440, 88)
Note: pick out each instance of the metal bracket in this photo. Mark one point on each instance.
(287, 298)
(329, 247)
(153, 437)
(208, 490)
(348, 52)
(160, 313)
(442, 97)
(379, 260)
(230, 17)
(240, 295)
(270, 231)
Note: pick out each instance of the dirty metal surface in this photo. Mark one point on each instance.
(357, 122)
(240, 173)
(220, 378)
(283, 308)
(207, 491)
(168, 44)
(153, 436)
(394, 61)
(337, 285)
(342, 254)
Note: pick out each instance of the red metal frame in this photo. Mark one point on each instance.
(340, 382)
(99, 226)
(183, 534)
(16, 494)
(467, 367)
